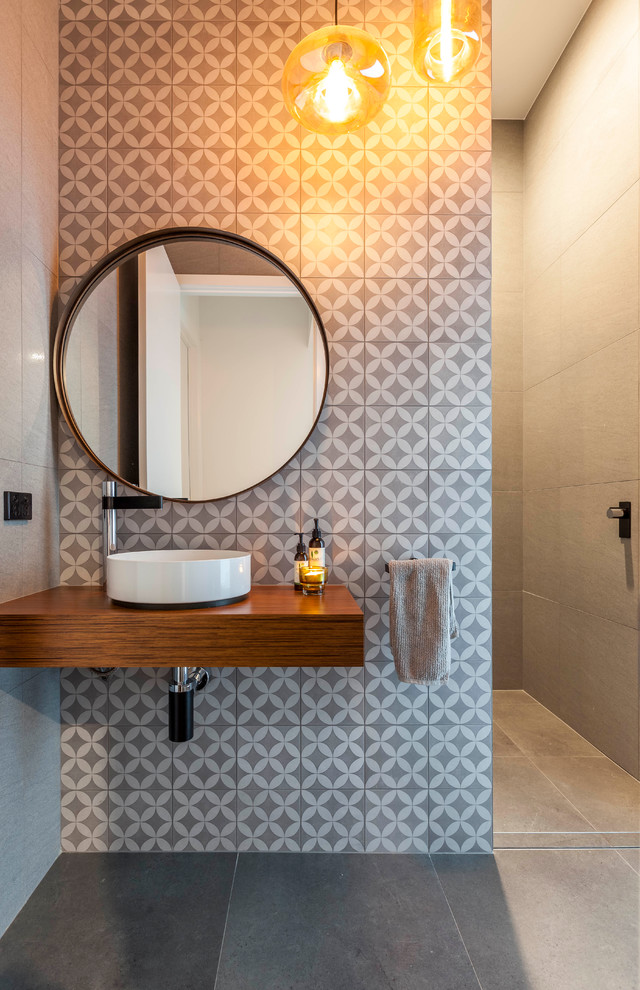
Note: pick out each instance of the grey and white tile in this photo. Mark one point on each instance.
(390, 701)
(332, 820)
(138, 695)
(268, 757)
(459, 502)
(268, 821)
(207, 762)
(140, 820)
(397, 373)
(460, 820)
(397, 438)
(460, 437)
(459, 373)
(397, 756)
(84, 825)
(332, 695)
(140, 757)
(269, 696)
(204, 820)
(397, 821)
(332, 757)
(397, 502)
(273, 507)
(338, 441)
(336, 497)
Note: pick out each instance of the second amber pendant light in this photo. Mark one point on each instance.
(447, 38)
(336, 80)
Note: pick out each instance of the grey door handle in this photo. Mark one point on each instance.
(613, 512)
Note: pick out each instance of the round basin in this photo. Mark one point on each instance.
(166, 579)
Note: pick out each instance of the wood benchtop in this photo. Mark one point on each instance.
(274, 626)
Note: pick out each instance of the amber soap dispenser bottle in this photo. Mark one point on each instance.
(300, 558)
(317, 548)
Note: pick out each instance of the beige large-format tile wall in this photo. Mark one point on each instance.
(29, 561)
(507, 305)
(581, 379)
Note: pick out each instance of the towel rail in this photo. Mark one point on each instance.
(386, 566)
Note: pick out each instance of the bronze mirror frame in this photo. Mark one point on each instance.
(108, 264)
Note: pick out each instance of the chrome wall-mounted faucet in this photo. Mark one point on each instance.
(111, 502)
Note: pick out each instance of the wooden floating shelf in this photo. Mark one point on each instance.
(274, 627)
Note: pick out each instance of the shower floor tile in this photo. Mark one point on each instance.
(537, 732)
(632, 857)
(524, 800)
(553, 789)
(608, 797)
(502, 745)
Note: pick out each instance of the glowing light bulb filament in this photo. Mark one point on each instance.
(337, 96)
(446, 40)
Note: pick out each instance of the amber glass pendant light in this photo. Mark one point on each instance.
(336, 79)
(447, 38)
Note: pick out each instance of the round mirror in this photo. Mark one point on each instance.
(191, 364)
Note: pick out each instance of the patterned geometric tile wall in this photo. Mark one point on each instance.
(171, 113)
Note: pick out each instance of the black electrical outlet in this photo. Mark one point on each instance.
(17, 506)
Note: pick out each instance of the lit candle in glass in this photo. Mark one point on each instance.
(312, 579)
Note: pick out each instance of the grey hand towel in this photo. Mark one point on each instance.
(422, 618)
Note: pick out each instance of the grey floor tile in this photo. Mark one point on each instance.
(546, 920)
(340, 922)
(524, 800)
(105, 922)
(608, 797)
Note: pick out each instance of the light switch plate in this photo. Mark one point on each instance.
(17, 506)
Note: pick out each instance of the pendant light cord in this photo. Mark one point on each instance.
(336, 12)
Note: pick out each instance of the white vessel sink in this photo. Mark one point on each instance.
(178, 578)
